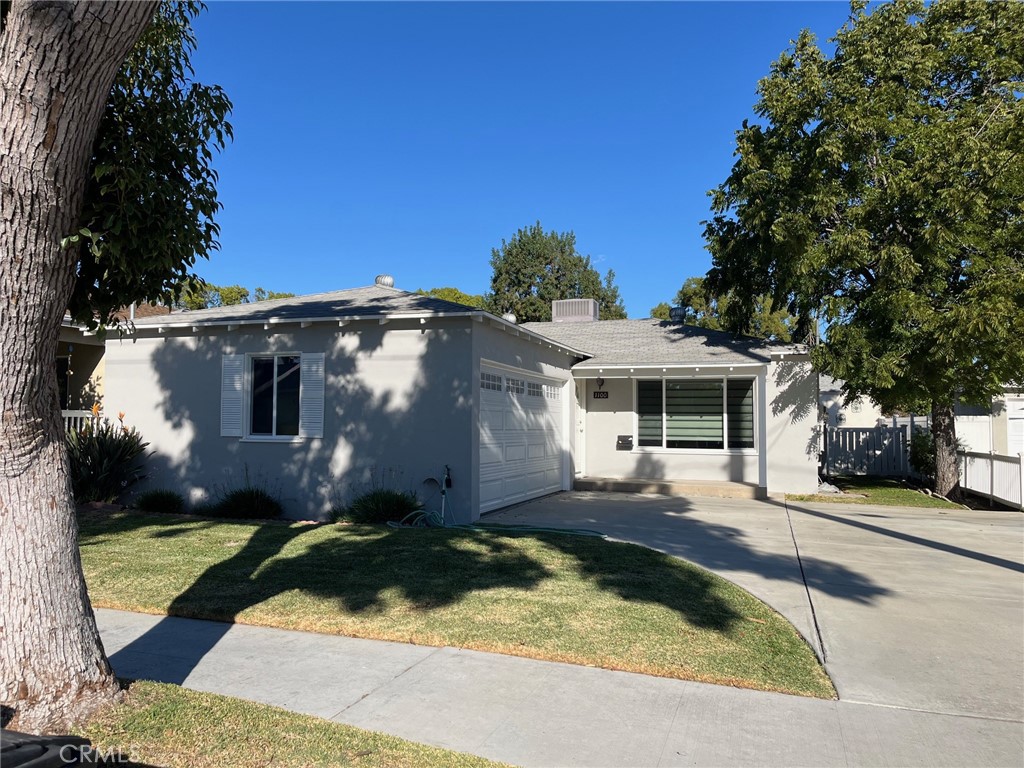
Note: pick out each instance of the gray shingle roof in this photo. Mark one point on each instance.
(654, 342)
(353, 302)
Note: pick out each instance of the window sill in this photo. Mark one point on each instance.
(698, 451)
(273, 439)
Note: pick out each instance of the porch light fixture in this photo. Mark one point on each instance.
(600, 382)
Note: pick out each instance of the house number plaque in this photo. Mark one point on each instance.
(600, 395)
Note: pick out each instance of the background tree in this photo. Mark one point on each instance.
(706, 310)
(661, 311)
(199, 294)
(454, 294)
(536, 267)
(91, 218)
(262, 294)
(881, 197)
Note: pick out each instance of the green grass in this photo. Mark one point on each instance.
(547, 596)
(165, 725)
(875, 490)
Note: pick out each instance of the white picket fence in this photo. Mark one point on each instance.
(867, 451)
(993, 476)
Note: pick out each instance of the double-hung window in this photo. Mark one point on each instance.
(271, 396)
(709, 414)
(274, 387)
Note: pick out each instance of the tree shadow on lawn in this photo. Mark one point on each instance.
(363, 568)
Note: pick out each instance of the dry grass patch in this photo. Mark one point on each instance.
(546, 596)
(169, 726)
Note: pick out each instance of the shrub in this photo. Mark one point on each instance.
(922, 453)
(105, 459)
(163, 501)
(379, 505)
(249, 501)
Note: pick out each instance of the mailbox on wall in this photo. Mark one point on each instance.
(624, 443)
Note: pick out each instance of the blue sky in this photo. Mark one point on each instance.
(412, 138)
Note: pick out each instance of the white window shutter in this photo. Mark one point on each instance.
(311, 404)
(232, 376)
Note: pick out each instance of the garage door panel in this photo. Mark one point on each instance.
(490, 451)
(515, 452)
(521, 451)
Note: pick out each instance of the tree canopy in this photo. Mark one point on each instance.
(151, 197)
(474, 300)
(706, 310)
(203, 295)
(880, 196)
(536, 267)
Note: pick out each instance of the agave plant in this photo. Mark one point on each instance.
(105, 459)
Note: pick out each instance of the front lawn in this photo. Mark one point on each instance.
(166, 725)
(547, 595)
(874, 490)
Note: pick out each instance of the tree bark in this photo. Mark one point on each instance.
(947, 472)
(58, 61)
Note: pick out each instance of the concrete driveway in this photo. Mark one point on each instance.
(920, 609)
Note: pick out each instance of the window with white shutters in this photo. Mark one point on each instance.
(273, 395)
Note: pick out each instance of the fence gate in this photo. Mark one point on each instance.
(867, 451)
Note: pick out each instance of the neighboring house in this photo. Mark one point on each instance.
(998, 428)
(80, 364)
(837, 412)
(322, 396)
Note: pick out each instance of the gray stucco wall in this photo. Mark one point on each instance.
(792, 432)
(399, 406)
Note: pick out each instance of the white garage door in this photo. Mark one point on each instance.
(1015, 425)
(521, 445)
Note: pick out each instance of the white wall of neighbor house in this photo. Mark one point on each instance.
(860, 412)
(791, 437)
(399, 401)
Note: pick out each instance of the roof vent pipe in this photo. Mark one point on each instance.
(677, 314)
(386, 280)
(510, 317)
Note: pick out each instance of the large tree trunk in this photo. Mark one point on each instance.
(58, 61)
(947, 472)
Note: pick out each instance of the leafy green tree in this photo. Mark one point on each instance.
(705, 310)
(108, 199)
(454, 295)
(881, 197)
(262, 294)
(151, 196)
(661, 311)
(198, 294)
(536, 267)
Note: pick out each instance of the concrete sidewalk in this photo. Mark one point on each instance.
(537, 713)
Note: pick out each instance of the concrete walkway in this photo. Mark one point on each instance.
(919, 615)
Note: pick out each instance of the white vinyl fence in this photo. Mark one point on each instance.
(885, 451)
(994, 476)
(867, 451)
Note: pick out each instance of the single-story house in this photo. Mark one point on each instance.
(319, 397)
